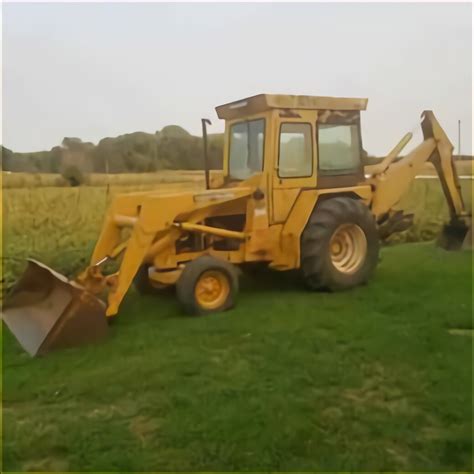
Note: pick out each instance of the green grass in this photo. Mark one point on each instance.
(365, 380)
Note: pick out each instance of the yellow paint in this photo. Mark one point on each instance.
(387, 161)
(212, 289)
(205, 229)
(348, 248)
(166, 278)
(263, 102)
(286, 190)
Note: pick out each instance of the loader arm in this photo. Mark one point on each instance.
(151, 218)
(392, 179)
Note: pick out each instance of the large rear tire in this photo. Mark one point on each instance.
(339, 245)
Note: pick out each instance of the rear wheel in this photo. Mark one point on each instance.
(340, 245)
(207, 285)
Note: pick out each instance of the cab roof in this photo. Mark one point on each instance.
(262, 102)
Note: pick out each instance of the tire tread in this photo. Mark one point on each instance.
(316, 266)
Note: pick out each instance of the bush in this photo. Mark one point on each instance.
(73, 175)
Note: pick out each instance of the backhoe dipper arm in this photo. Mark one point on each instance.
(391, 182)
(442, 159)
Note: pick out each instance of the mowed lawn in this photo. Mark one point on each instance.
(368, 380)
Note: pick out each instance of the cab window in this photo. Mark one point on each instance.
(296, 153)
(338, 148)
(246, 149)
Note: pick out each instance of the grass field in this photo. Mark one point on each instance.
(48, 180)
(426, 201)
(367, 380)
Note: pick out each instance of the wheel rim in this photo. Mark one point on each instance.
(212, 289)
(348, 248)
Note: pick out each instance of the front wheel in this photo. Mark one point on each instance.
(207, 285)
(340, 245)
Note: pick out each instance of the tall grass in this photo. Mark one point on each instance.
(42, 180)
(426, 200)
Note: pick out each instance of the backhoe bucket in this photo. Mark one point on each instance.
(45, 311)
(456, 236)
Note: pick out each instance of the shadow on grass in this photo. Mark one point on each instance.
(257, 278)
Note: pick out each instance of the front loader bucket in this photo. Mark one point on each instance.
(45, 311)
(456, 236)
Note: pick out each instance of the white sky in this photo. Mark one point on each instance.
(96, 70)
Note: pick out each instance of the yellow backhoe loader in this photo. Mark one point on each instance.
(293, 195)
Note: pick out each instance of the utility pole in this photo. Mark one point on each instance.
(459, 137)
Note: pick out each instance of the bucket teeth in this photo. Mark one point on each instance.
(45, 311)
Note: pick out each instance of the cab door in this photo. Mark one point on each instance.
(295, 160)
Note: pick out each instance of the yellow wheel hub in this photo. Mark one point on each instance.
(212, 289)
(348, 248)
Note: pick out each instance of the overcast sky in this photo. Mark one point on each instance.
(96, 70)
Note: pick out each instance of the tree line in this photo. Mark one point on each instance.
(139, 152)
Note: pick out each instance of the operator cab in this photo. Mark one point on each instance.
(300, 140)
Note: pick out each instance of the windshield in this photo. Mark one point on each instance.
(246, 149)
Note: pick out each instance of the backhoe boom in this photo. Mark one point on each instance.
(392, 179)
